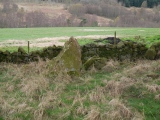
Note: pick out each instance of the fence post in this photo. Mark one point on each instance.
(28, 47)
(115, 38)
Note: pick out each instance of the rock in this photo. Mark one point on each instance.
(156, 44)
(1, 51)
(69, 59)
(126, 57)
(21, 50)
(120, 45)
(158, 55)
(6, 52)
(98, 63)
(150, 53)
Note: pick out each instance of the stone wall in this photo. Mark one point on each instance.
(22, 57)
(122, 50)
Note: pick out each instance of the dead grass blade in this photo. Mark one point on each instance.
(119, 111)
(153, 88)
(93, 114)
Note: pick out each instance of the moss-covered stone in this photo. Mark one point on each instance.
(69, 59)
(6, 52)
(1, 51)
(151, 53)
(98, 63)
(120, 44)
(21, 50)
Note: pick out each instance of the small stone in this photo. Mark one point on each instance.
(98, 63)
(150, 53)
(120, 44)
(21, 50)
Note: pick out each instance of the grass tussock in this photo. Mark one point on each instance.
(157, 97)
(110, 66)
(153, 88)
(116, 88)
(98, 95)
(93, 114)
(121, 91)
(119, 111)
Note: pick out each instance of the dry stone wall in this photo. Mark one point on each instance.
(122, 50)
(22, 57)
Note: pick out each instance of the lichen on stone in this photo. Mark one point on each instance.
(69, 59)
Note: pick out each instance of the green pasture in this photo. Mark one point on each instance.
(34, 33)
(144, 35)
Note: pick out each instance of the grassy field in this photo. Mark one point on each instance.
(47, 35)
(34, 33)
(119, 92)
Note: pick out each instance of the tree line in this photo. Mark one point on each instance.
(11, 16)
(138, 3)
(126, 3)
(81, 14)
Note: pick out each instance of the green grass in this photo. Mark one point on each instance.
(150, 35)
(143, 101)
(148, 40)
(34, 33)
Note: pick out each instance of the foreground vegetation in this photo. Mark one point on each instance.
(119, 91)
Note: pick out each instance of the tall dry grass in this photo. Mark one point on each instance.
(26, 89)
(28, 85)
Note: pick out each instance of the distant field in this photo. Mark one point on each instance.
(35, 33)
(11, 38)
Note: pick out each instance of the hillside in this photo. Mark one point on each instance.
(56, 9)
(51, 14)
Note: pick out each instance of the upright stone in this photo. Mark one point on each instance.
(69, 59)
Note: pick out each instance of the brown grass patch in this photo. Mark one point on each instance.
(110, 66)
(116, 88)
(119, 111)
(98, 95)
(93, 114)
(153, 88)
(157, 97)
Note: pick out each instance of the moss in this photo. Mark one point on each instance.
(99, 64)
(1, 51)
(151, 53)
(97, 61)
(6, 52)
(69, 59)
(120, 45)
(21, 50)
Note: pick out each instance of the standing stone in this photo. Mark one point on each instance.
(69, 59)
